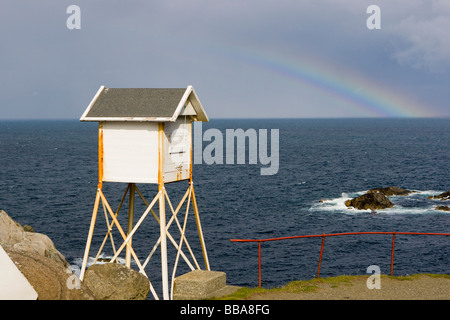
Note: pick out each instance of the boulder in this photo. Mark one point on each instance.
(443, 196)
(443, 208)
(370, 201)
(390, 191)
(112, 281)
(13, 235)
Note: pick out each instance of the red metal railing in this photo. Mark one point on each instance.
(323, 236)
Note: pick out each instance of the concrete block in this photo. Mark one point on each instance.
(199, 284)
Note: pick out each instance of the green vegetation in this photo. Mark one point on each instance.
(293, 287)
(415, 276)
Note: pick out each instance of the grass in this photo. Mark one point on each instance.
(305, 286)
(415, 276)
(300, 286)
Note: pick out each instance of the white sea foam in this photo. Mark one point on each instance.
(427, 192)
(77, 263)
(334, 204)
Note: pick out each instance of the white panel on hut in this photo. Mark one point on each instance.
(177, 150)
(130, 152)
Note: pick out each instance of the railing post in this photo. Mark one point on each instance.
(392, 253)
(320, 258)
(259, 264)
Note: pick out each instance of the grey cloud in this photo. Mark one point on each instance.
(426, 43)
(48, 70)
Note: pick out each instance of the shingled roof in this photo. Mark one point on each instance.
(144, 104)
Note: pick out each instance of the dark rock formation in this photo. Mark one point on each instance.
(443, 208)
(443, 196)
(372, 201)
(391, 191)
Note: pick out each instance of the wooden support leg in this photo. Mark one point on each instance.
(90, 234)
(199, 228)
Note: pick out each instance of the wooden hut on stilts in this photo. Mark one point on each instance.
(145, 137)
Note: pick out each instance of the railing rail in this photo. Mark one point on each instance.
(323, 236)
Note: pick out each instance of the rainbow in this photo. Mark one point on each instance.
(365, 95)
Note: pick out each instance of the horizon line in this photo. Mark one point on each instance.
(258, 118)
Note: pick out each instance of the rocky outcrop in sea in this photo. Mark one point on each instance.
(378, 198)
(372, 201)
(391, 191)
(443, 196)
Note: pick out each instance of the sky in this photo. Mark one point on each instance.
(244, 58)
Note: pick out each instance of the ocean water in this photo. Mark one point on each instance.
(48, 179)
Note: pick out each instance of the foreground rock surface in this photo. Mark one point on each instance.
(40, 262)
(50, 274)
(113, 281)
(13, 235)
(51, 280)
(372, 201)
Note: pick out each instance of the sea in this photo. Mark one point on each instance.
(48, 179)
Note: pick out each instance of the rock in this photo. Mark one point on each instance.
(112, 281)
(442, 208)
(51, 280)
(13, 235)
(28, 228)
(370, 201)
(443, 196)
(390, 191)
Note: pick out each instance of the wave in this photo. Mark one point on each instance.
(414, 203)
(102, 259)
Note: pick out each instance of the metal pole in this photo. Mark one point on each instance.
(130, 222)
(392, 254)
(320, 258)
(259, 262)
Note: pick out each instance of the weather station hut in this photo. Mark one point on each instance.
(145, 137)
